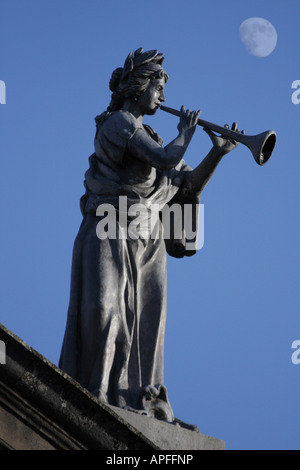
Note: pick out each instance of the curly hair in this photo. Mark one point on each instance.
(130, 81)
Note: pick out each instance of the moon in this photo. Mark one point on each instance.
(258, 36)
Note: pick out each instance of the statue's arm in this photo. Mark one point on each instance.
(196, 180)
(143, 147)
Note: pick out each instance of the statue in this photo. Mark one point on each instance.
(114, 338)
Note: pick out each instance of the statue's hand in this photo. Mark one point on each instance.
(188, 120)
(224, 144)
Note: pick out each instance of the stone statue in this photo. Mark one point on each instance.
(114, 339)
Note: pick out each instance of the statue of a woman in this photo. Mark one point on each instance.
(114, 338)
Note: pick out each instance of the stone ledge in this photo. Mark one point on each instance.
(169, 436)
(42, 408)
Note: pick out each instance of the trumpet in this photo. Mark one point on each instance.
(260, 145)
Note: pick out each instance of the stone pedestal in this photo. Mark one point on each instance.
(42, 408)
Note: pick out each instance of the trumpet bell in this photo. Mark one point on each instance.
(261, 145)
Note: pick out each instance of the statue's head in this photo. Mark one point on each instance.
(132, 80)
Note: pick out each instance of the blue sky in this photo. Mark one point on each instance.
(233, 309)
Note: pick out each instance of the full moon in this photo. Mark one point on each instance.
(259, 36)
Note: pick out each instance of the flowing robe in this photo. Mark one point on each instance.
(114, 339)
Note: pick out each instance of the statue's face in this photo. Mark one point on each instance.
(152, 98)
